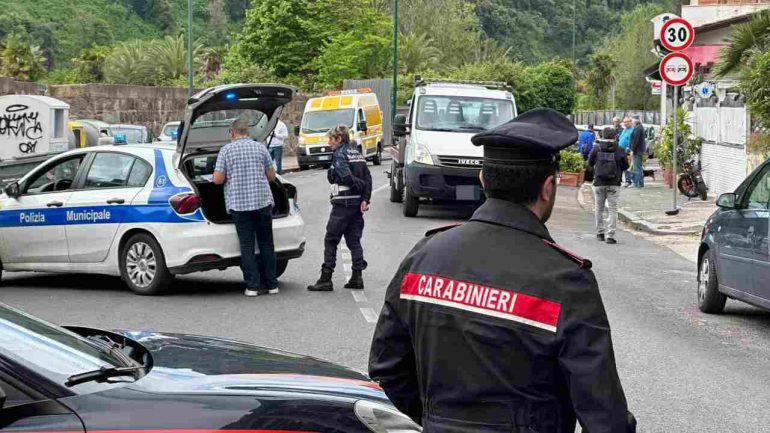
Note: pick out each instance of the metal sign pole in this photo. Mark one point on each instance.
(676, 142)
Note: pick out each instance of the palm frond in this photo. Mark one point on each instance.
(745, 41)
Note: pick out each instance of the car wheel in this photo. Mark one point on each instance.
(143, 266)
(303, 167)
(280, 267)
(710, 299)
(395, 195)
(1, 272)
(411, 203)
(377, 159)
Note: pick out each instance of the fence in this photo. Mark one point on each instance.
(604, 117)
(382, 89)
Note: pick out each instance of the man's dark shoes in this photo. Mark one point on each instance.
(600, 238)
(356, 281)
(324, 284)
(611, 241)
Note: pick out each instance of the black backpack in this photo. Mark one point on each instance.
(606, 167)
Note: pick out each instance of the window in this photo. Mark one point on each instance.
(14, 396)
(109, 170)
(759, 198)
(463, 114)
(57, 177)
(318, 122)
(140, 172)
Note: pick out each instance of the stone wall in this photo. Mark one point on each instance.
(143, 105)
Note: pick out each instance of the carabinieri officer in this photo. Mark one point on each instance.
(351, 189)
(491, 326)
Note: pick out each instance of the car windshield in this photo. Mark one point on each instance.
(314, 122)
(133, 136)
(213, 128)
(170, 130)
(51, 351)
(462, 114)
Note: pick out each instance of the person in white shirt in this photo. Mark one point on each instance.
(279, 135)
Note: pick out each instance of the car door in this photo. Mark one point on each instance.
(110, 182)
(758, 205)
(24, 409)
(738, 237)
(32, 225)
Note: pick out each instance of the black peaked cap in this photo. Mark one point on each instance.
(533, 137)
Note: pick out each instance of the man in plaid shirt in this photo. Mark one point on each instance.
(246, 169)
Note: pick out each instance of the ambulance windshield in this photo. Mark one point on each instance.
(316, 122)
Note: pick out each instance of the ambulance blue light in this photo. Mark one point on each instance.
(230, 96)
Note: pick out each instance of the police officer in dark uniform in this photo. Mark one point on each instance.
(351, 185)
(490, 326)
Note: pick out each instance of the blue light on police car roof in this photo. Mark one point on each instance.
(230, 96)
(120, 138)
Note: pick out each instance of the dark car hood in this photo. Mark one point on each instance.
(209, 365)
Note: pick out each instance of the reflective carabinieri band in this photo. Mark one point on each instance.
(345, 197)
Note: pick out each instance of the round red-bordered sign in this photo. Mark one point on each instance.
(676, 34)
(676, 69)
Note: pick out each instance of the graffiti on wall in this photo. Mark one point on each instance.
(20, 123)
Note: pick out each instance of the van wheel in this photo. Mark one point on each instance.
(280, 267)
(710, 299)
(303, 167)
(377, 158)
(1, 272)
(411, 203)
(143, 266)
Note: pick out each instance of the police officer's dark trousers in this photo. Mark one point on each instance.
(346, 219)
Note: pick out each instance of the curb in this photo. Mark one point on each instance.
(637, 223)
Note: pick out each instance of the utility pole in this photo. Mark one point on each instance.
(394, 90)
(574, 31)
(189, 48)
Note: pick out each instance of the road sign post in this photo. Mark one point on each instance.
(676, 69)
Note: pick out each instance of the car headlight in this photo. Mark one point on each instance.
(422, 156)
(381, 418)
(301, 140)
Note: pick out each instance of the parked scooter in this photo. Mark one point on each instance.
(691, 182)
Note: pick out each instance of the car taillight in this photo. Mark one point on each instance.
(185, 203)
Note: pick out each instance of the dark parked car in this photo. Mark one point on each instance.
(76, 379)
(734, 257)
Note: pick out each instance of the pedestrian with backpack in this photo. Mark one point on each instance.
(608, 161)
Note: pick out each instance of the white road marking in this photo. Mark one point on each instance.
(369, 315)
(382, 188)
(359, 296)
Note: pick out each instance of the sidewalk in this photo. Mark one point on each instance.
(645, 209)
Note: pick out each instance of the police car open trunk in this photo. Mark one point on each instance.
(206, 129)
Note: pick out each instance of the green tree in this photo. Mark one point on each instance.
(745, 41)
(89, 66)
(21, 60)
(601, 77)
(755, 82)
(550, 85)
(211, 62)
(351, 55)
(130, 63)
(169, 59)
(416, 52)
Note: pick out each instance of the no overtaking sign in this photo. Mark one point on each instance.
(676, 69)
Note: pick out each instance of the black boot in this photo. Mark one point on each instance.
(356, 281)
(324, 284)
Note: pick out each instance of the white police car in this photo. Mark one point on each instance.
(146, 212)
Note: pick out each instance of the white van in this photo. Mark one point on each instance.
(438, 160)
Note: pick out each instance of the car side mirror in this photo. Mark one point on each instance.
(296, 130)
(362, 126)
(12, 190)
(726, 201)
(399, 125)
(2, 398)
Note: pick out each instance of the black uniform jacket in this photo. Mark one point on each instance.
(349, 169)
(492, 327)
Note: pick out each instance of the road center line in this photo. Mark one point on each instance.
(382, 188)
(369, 315)
(359, 296)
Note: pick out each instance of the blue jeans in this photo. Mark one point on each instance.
(256, 227)
(638, 175)
(276, 152)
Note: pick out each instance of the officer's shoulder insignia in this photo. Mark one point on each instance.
(432, 232)
(583, 262)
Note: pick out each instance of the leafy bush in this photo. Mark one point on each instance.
(755, 82)
(690, 144)
(571, 161)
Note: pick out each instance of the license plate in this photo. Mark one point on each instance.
(325, 158)
(467, 192)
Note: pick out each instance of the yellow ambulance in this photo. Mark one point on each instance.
(359, 109)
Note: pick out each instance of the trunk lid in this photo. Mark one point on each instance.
(210, 113)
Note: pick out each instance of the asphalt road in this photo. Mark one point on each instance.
(683, 371)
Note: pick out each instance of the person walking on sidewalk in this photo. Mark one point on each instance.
(351, 189)
(638, 148)
(246, 169)
(278, 137)
(608, 161)
(624, 141)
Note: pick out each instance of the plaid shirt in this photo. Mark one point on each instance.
(245, 162)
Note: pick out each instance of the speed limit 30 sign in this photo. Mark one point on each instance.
(676, 34)
(676, 69)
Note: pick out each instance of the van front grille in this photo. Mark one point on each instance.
(460, 162)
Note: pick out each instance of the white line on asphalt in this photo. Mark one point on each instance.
(382, 188)
(359, 296)
(369, 315)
